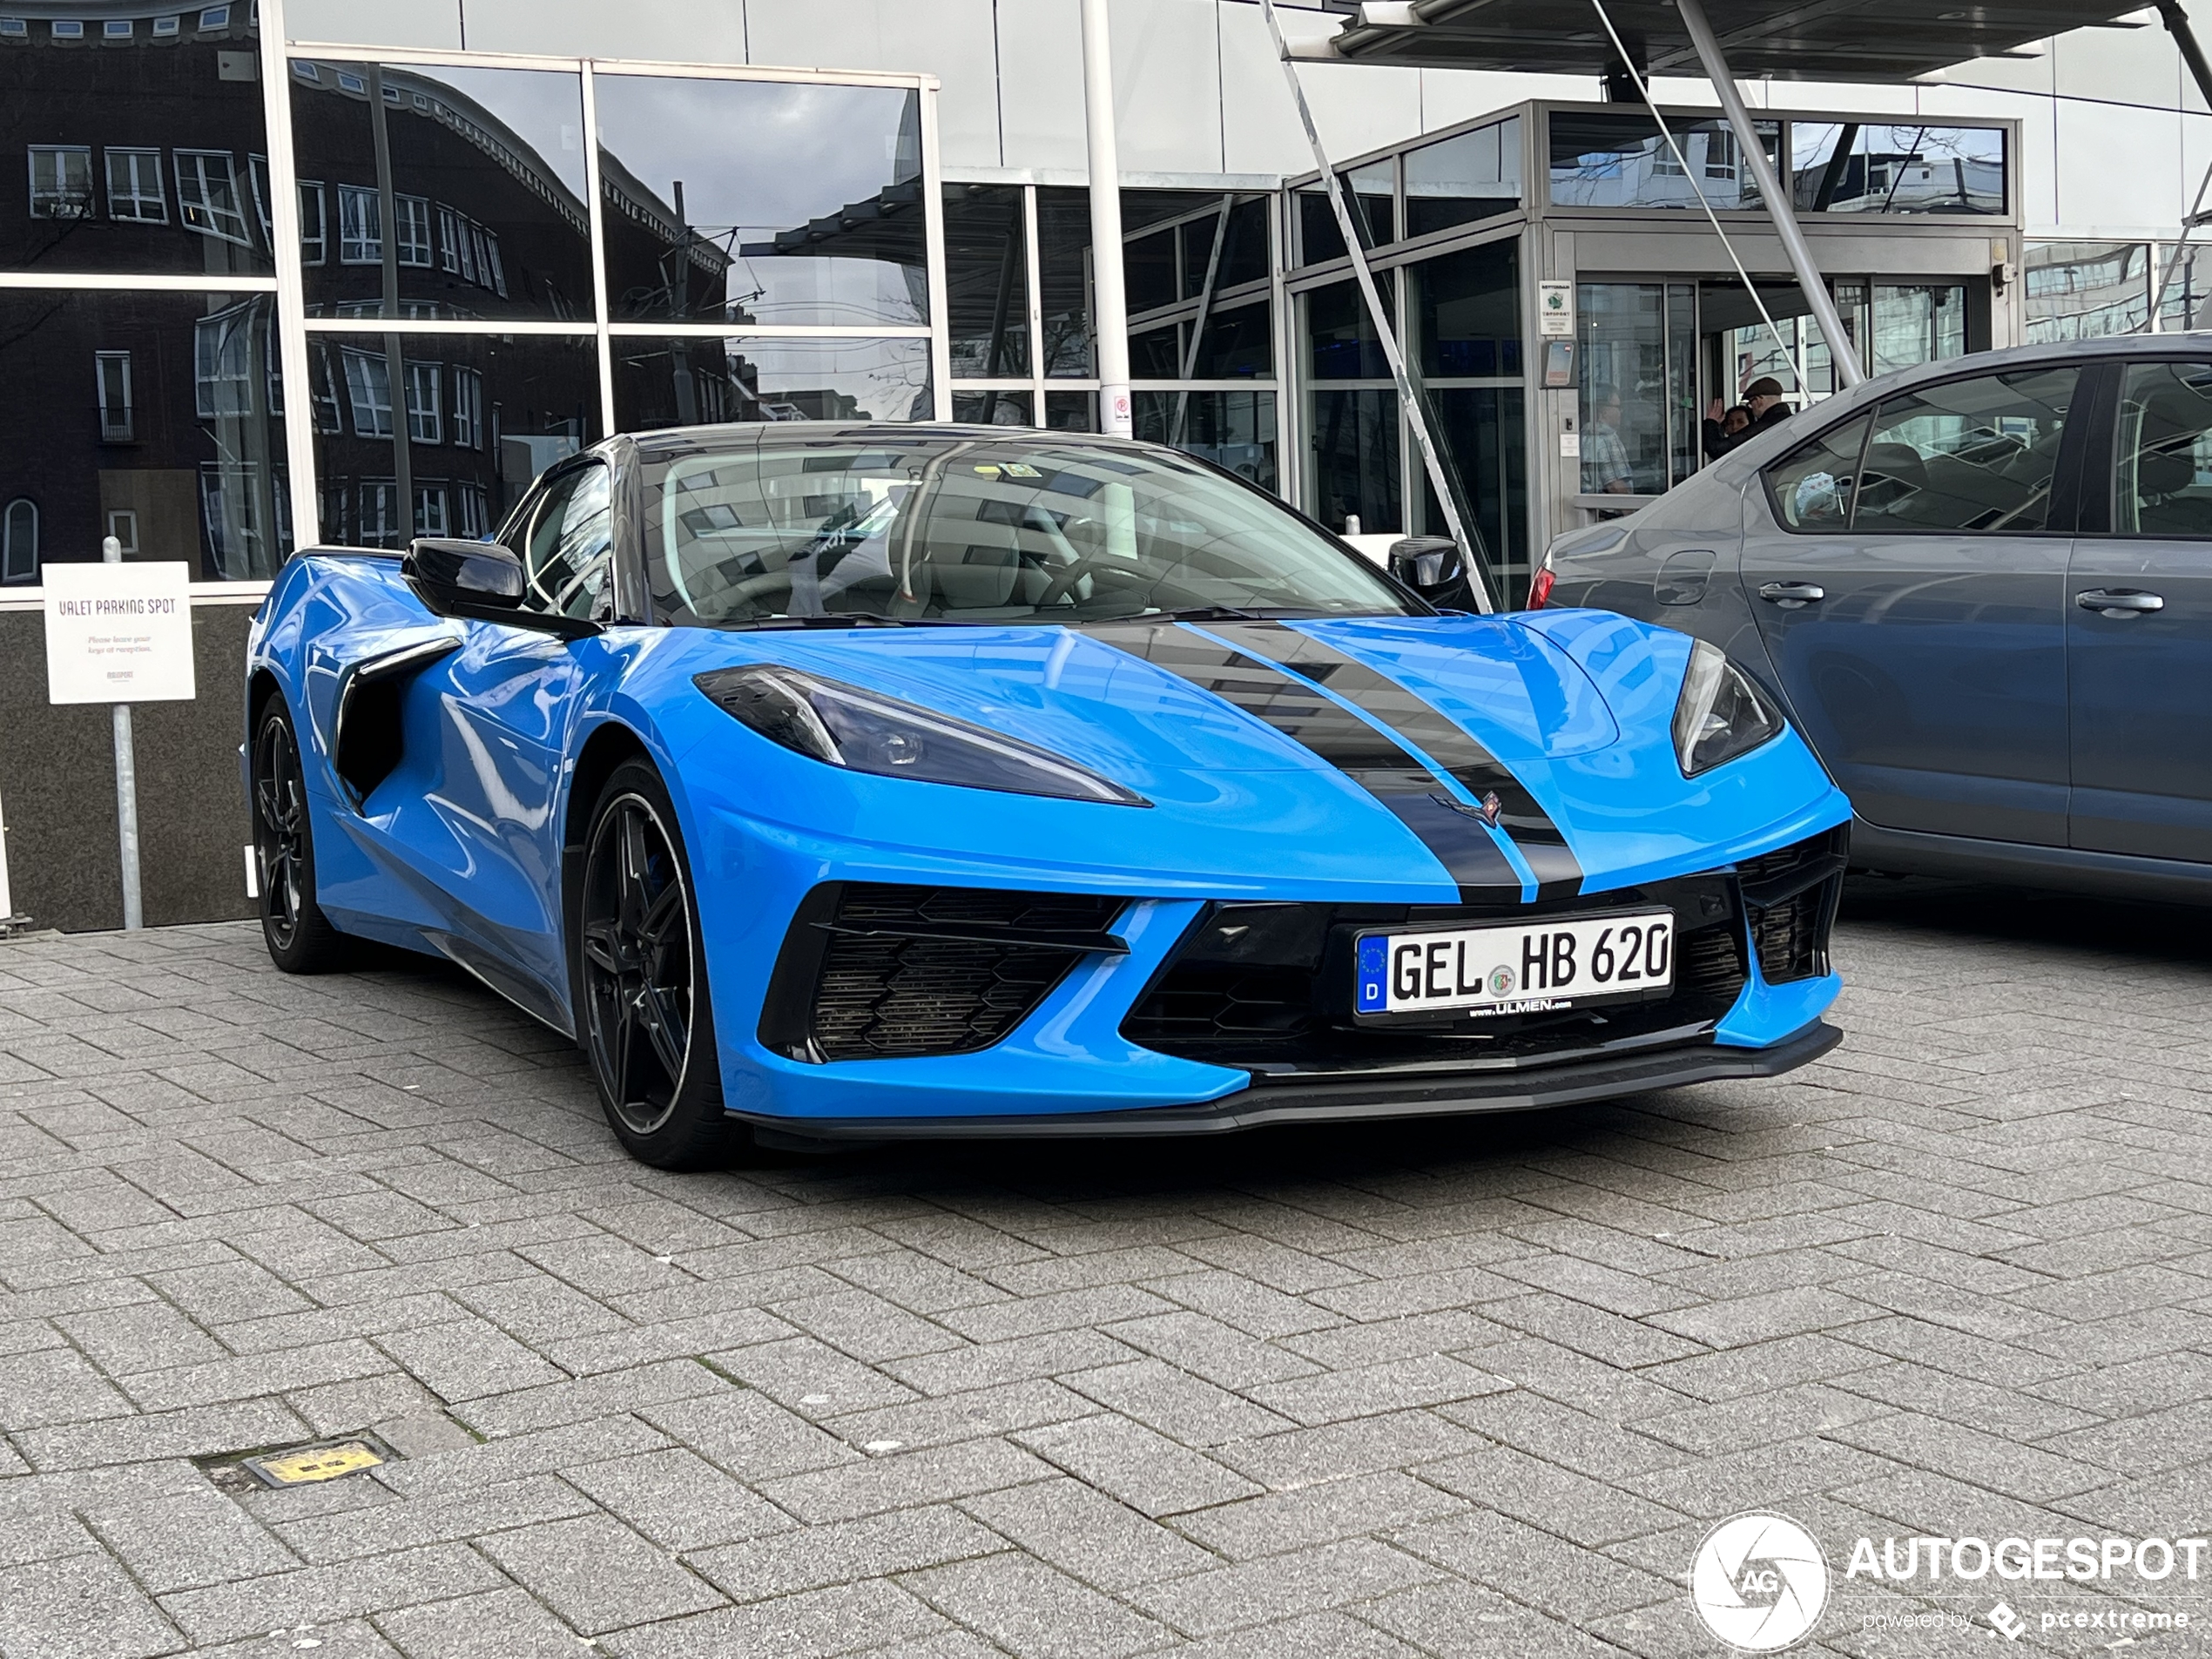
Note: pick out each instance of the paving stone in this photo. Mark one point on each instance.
(1126, 1460)
(80, 1605)
(902, 1478)
(498, 1624)
(598, 1574)
(1032, 1611)
(816, 1557)
(1281, 1587)
(318, 1595)
(873, 1614)
(187, 1540)
(678, 1499)
(467, 1359)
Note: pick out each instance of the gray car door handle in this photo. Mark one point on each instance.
(2118, 602)
(1791, 594)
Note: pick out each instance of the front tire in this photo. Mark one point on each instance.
(299, 937)
(647, 1020)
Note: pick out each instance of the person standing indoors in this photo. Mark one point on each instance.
(1763, 398)
(1605, 458)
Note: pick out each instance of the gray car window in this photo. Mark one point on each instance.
(1966, 455)
(2163, 485)
(1813, 485)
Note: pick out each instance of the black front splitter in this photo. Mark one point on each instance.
(1279, 1100)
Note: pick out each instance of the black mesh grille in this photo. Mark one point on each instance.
(898, 972)
(1267, 987)
(1802, 883)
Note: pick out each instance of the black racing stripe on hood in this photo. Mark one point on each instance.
(1558, 872)
(1369, 758)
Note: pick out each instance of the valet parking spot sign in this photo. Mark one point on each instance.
(118, 633)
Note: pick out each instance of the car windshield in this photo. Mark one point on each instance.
(849, 529)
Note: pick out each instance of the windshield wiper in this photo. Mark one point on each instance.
(853, 619)
(1207, 613)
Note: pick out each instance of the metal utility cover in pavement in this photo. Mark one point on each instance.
(309, 1464)
(1818, 40)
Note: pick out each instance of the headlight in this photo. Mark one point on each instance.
(843, 725)
(1721, 714)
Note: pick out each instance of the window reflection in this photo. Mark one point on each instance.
(705, 380)
(1460, 180)
(2082, 290)
(992, 408)
(1604, 161)
(1854, 167)
(137, 151)
(1063, 279)
(762, 202)
(987, 276)
(1235, 430)
(159, 421)
(442, 193)
(1467, 307)
(439, 435)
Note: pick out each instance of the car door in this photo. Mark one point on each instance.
(1908, 571)
(2139, 623)
(504, 706)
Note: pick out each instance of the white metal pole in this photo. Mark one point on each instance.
(1843, 350)
(126, 788)
(291, 295)
(1109, 297)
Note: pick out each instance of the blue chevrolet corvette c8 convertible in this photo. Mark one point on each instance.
(852, 781)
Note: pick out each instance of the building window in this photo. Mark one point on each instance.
(69, 30)
(360, 226)
(117, 28)
(19, 540)
(430, 509)
(112, 373)
(469, 408)
(134, 189)
(379, 525)
(449, 240)
(314, 231)
(14, 28)
(61, 181)
(166, 27)
(215, 18)
(424, 423)
(207, 195)
(123, 525)
(324, 393)
(493, 273)
(472, 512)
(411, 226)
(257, 178)
(368, 388)
(223, 364)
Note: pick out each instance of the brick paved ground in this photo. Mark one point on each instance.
(1476, 1388)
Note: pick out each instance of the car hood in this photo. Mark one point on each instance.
(1572, 724)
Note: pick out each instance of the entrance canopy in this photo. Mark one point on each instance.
(1807, 40)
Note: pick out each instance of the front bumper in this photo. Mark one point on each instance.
(1275, 1102)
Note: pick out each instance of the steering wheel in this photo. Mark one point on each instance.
(1056, 590)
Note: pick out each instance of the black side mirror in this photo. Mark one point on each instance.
(1433, 566)
(465, 579)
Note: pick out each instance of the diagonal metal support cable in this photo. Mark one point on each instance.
(1643, 90)
(1410, 398)
(2196, 217)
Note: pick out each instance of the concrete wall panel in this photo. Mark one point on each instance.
(433, 24)
(681, 30)
(951, 39)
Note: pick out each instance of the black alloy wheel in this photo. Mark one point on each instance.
(299, 937)
(648, 1020)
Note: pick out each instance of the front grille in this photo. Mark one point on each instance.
(1266, 987)
(1789, 897)
(871, 971)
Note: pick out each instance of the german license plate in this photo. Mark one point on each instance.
(1526, 967)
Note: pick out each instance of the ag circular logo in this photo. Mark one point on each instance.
(1500, 980)
(1760, 1582)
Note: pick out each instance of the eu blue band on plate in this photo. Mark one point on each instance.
(1374, 974)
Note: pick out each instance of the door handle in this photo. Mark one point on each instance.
(2118, 602)
(1790, 596)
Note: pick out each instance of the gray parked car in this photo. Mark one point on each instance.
(1982, 588)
